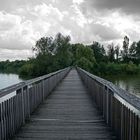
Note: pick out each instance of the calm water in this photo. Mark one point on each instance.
(129, 83)
(8, 80)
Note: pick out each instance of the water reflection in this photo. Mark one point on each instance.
(8, 80)
(129, 83)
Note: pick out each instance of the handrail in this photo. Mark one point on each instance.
(7, 90)
(125, 95)
(17, 102)
(120, 109)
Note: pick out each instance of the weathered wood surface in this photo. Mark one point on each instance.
(68, 114)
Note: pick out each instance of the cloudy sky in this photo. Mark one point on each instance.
(22, 22)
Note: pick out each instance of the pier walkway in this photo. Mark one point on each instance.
(68, 113)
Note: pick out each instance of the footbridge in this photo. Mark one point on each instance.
(69, 104)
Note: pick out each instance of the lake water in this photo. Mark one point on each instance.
(8, 80)
(129, 83)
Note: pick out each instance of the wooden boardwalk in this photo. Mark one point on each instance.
(67, 114)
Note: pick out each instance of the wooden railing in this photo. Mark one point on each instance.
(19, 101)
(120, 109)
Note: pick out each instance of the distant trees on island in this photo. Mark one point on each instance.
(56, 53)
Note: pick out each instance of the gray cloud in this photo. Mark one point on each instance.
(105, 33)
(127, 6)
(14, 54)
(12, 5)
(14, 44)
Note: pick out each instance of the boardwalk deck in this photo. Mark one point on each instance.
(68, 114)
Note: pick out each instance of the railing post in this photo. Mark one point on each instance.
(28, 98)
(1, 122)
(23, 113)
(107, 106)
(43, 89)
(139, 129)
(130, 133)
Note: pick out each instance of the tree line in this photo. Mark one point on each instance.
(56, 53)
(11, 66)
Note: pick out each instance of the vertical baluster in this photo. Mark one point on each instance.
(139, 128)
(0, 122)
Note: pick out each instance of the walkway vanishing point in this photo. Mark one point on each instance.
(80, 107)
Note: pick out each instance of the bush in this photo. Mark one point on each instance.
(26, 70)
(84, 64)
(116, 69)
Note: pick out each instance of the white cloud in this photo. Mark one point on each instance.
(78, 1)
(45, 10)
(16, 33)
(79, 17)
(8, 21)
(121, 23)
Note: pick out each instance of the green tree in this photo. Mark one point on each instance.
(111, 52)
(84, 51)
(134, 52)
(125, 49)
(117, 52)
(60, 43)
(132, 49)
(61, 49)
(138, 50)
(99, 51)
(43, 46)
(85, 64)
